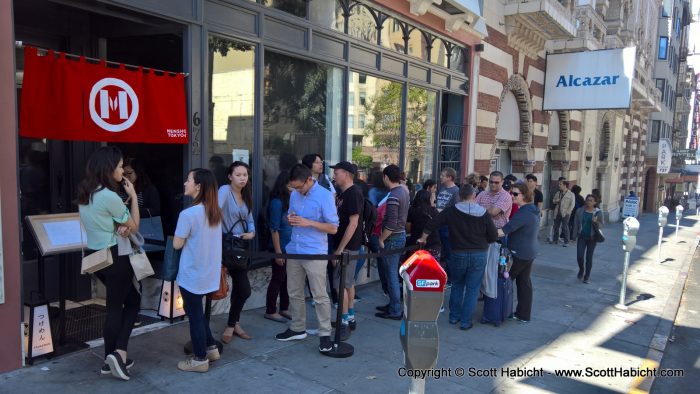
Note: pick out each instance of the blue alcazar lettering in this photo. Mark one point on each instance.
(587, 81)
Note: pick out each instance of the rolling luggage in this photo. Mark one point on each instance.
(496, 310)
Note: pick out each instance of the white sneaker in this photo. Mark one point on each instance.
(213, 353)
(192, 365)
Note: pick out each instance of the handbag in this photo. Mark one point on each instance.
(139, 262)
(598, 233)
(231, 244)
(223, 286)
(151, 228)
(96, 261)
(171, 261)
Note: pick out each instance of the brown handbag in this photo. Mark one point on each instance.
(223, 286)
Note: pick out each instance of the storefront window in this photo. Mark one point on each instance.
(232, 94)
(420, 136)
(376, 142)
(417, 44)
(302, 113)
(362, 24)
(327, 13)
(294, 7)
(393, 35)
(438, 53)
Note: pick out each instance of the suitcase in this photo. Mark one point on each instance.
(496, 310)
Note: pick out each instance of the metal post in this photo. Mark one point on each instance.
(417, 386)
(341, 349)
(623, 289)
(658, 248)
(678, 223)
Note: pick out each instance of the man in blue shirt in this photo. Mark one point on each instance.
(312, 215)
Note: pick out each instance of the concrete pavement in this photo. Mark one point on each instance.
(574, 326)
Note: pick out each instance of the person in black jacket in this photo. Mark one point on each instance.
(521, 233)
(471, 230)
(421, 212)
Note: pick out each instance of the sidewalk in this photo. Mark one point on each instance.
(573, 326)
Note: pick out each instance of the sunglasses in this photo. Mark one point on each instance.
(515, 194)
(494, 182)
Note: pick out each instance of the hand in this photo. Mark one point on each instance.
(123, 231)
(421, 241)
(381, 244)
(296, 220)
(280, 262)
(129, 188)
(595, 219)
(247, 236)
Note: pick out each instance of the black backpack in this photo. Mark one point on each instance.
(369, 220)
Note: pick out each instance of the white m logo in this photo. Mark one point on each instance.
(108, 105)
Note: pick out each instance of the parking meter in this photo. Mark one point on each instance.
(629, 234)
(663, 216)
(423, 286)
(629, 240)
(679, 212)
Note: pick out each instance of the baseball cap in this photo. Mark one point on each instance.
(345, 165)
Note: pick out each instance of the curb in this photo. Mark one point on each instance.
(665, 326)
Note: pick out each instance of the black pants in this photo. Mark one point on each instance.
(586, 246)
(277, 287)
(123, 302)
(520, 272)
(239, 294)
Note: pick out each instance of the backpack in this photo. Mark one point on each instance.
(369, 220)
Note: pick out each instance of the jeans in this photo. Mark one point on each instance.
(586, 246)
(374, 248)
(467, 269)
(360, 263)
(445, 252)
(239, 294)
(123, 302)
(277, 287)
(391, 272)
(520, 272)
(563, 223)
(200, 333)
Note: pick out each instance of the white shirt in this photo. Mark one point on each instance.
(200, 263)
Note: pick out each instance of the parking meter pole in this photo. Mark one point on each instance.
(658, 248)
(623, 288)
(417, 386)
(678, 222)
(341, 349)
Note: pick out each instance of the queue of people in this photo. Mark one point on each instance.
(462, 227)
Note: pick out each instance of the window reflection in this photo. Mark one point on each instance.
(438, 53)
(393, 35)
(294, 7)
(457, 59)
(417, 44)
(327, 13)
(232, 87)
(362, 24)
(420, 136)
(374, 141)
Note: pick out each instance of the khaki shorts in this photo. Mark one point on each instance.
(349, 271)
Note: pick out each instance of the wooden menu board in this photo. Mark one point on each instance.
(57, 233)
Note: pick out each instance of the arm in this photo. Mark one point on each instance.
(128, 223)
(439, 221)
(349, 232)
(391, 218)
(494, 211)
(275, 224)
(328, 214)
(251, 227)
(182, 231)
(577, 223)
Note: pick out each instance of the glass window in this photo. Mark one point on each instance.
(327, 13)
(351, 99)
(362, 24)
(663, 48)
(420, 136)
(457, 59)
(351, 122)
(438, 53)
(392, 35)
(362, 121)
(363, 97)
(661, 85)
(231, 109)
(302, 113)
(376, 144)
(294, 7)
(655, 130)
(417, 44)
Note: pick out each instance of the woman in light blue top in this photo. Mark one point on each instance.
(236, 202)
(101, 212)
(198, 234)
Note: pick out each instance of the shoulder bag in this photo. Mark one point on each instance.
(233, 244)
(223, 286)
(94, 261)
(597, 233)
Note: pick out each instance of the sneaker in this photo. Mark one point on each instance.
(344, 332)
(465, 328)
(383, 308)
(106, 371)
(117, 366)
(442, 309)
(580, 276)
(353, 324)
(192, 365)
(213, 353)
(454, 321)
(386, 315)
(564, 244)
(586, 281)
(290, 335)
(514, 317)
(326, 345)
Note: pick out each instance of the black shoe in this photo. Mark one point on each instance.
(386, 315)
(383, 308)
(465, 328)
(290, 335)
(117, 366)
(353, 324)
(580, 276)
(326, 345)
(586, 281)
(344, 332)
(106, 371)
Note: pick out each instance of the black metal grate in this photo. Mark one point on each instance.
(85, 323)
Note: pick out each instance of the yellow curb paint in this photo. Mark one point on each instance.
(644, 382)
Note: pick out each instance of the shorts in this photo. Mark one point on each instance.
(349, 271)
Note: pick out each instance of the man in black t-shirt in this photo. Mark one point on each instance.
(532, 185)
(350, 203)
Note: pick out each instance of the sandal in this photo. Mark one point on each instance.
(286, 315)
(279, 318)
(227, 338)
(242, 335)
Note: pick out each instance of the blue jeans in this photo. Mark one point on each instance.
(391, 272)
(445, 251)
(360, 262)
(199, 326)
(467, 270)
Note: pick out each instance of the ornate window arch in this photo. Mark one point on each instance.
(517, 85)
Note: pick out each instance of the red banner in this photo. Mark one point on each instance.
(70, 99)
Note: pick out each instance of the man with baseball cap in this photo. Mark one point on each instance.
(350, 204)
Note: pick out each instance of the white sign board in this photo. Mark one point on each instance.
(663, 162)
(42, 342)
(630, 207)
(241, 155)
(589, 80)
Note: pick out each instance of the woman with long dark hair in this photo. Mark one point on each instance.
(101, 210)
(281, 235)
(315, 163)
(236, 202)
(421, 212)
(146, 193)
(198, 234)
